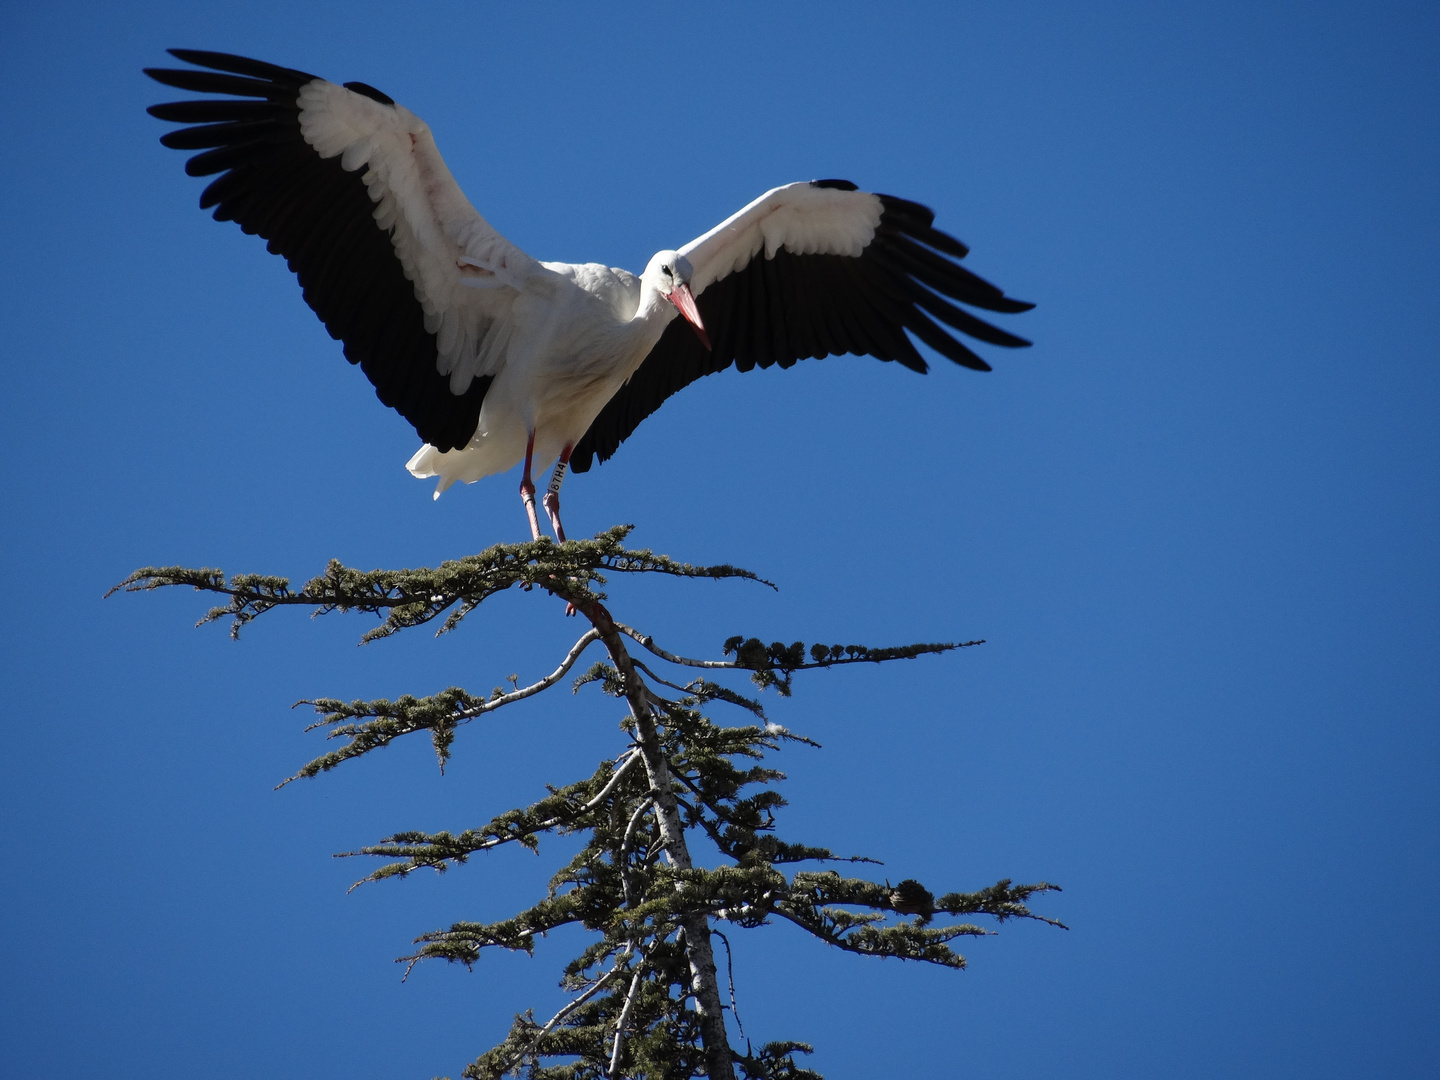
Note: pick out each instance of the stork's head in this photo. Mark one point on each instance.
(670, 271)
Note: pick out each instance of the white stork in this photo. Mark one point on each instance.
(497, 358)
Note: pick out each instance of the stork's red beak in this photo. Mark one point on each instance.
(684, 300)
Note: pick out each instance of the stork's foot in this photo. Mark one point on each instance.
(551, 502)
(596, 610)
(527, 495)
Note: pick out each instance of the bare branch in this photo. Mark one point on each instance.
(648, 642)
(773, 665)
(621, 1023)
(599, 985)
(586, 640)
(629, 759)
(635, 818)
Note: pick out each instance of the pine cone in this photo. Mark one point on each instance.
(912, 898)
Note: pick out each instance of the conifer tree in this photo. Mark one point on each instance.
(645, 995)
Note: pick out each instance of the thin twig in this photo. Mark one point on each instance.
(730, 972)
(673, 686)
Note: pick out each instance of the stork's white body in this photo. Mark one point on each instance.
(582, 330)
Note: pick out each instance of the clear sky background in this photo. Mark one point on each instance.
(1197, 525)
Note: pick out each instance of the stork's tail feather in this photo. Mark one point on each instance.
(427, 462)
(467, 465)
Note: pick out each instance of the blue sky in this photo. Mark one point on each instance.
(1196, 524)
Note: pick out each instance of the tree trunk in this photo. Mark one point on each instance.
(704, 980)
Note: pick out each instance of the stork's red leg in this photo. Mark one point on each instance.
(552, 503)
(527, 489)
(552, 494)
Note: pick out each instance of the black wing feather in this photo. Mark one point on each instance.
(780, 310)
(320, 218)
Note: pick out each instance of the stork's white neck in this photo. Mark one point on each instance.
(654, 311)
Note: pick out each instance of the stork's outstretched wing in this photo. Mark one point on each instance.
(349, 187)
(843, 271)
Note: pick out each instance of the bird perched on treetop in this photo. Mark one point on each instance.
(495, 357)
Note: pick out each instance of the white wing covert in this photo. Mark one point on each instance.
(351, 189)
(811, 270)
(802, 219)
